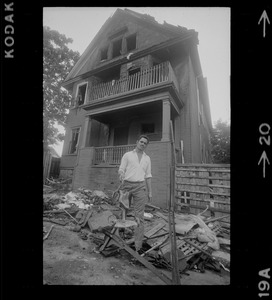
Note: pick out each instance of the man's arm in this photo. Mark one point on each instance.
(149, 188)
(148, 180)
(122, 168)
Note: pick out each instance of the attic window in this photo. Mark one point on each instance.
(116, 48)
(104, 53)
(131, 42)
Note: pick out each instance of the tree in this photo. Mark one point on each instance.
(58, 61)
(220, 141)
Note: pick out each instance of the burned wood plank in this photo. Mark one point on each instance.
(155, 229)
(167, 247)
(216, 219)
(142, 260)
(152, 206)
(157, 236)
(160, 215)
(156, 245)
(107, 240)
(199, 248)
(46, 236)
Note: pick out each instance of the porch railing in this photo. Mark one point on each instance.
(110, 154)
(147, 77)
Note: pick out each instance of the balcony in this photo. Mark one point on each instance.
(111, 154)
(149, 78)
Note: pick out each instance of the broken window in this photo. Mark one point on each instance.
(81, 93)
(104, 53)
(148, 128)
(131, 42)
(74, 141)
(116, 48)
(134, 71)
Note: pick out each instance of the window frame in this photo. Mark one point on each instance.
(106, 48)
(112, 48)
(71, 140)
(77, 90)
(148, 124)
(129, 36)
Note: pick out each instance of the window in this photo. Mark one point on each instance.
(134, 71)
(104, 54)
(131, 42)
(81, 93)
(74, 141)
(116, 48)
(148, 128)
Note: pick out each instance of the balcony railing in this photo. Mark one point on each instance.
(110, 154)
(148, 77)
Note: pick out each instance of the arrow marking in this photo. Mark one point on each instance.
(264, 158)
(264, 16)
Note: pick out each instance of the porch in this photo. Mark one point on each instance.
(97, 168)
(111, 155)
(146, 79)
(113, 132)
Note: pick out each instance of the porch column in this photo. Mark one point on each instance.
(166, 117)
(86, 131)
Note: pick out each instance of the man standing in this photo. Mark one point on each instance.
(135, 173)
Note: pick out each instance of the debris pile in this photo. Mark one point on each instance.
(202, 242)
(59, 184)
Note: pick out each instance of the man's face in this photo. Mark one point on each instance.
(142, 143)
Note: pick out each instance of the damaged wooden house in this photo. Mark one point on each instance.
(135, 77)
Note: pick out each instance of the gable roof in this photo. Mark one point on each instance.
(151, 21)
(173, 31)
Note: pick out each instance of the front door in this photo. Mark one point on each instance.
(120, 136)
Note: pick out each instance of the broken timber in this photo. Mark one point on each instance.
(149, 234)
(142, 260)
(46, 236)
(171, 215)
(156, 245)
(216, 219)
(153, 230)
(202, 250)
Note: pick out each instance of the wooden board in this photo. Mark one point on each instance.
(154, 230)
(160, 215)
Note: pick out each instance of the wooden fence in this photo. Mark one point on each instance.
(202, 185)
(51, 166)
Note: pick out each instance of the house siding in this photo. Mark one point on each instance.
(135, 125)
(146, 38)
(194, 126)
(76, 118)
(68, 161)
(185, 114)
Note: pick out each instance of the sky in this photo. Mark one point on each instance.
(212, 24)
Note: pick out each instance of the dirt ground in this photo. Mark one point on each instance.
(70, 260)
